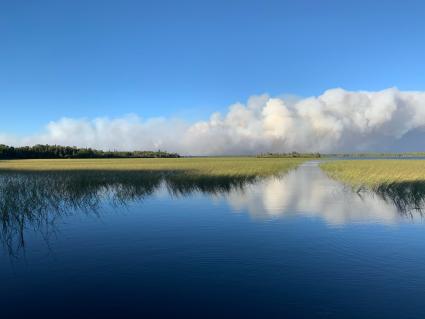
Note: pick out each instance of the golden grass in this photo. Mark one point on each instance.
(213, 166)
(374, 173)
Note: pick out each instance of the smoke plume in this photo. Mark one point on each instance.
(337, 120)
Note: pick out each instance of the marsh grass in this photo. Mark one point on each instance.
(35, 193)
(375, 173)
(207, 166)
(401, 182)
(36, 200)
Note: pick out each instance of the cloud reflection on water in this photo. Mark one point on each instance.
(35, 201)
(309, 192)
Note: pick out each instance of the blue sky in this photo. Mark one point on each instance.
(189, 58)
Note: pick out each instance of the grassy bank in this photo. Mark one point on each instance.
(376, 173)
(211, 166)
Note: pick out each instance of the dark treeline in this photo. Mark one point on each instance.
(57, 151)
(290, 155)
(376, 154)
(344, 155)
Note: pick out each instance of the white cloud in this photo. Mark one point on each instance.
(337, 120)
(308, 191)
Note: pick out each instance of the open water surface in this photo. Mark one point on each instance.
(117, 244)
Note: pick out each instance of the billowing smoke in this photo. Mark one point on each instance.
(337, 120)
(308, 191)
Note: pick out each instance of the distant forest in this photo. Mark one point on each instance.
(290, 155)
(375, 154)
(344, 155)
(56, 151)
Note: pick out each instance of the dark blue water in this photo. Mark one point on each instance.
(300, 246)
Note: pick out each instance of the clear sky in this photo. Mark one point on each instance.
(158, 58)
(93, 58)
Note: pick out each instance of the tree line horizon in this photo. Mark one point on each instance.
(40, 151)
(46, 151)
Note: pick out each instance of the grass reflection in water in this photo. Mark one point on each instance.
(35, 200)
(401, 182)
(408, 197)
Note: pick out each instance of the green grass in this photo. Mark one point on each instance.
(376, 173)
(209, 166)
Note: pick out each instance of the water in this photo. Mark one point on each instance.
(128, 244)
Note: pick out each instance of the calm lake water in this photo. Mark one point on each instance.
(128, 244)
